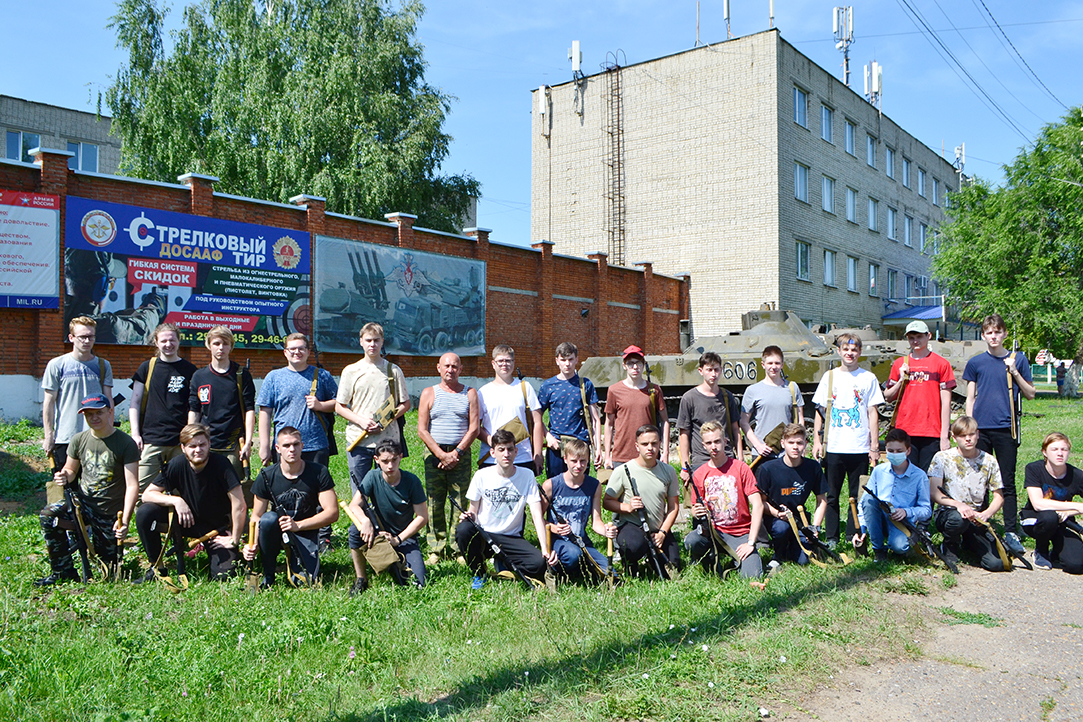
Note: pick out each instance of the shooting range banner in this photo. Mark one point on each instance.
(132, 268)
(29, 250)
(428, 303)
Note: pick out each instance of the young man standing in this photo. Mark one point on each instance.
(707, 402)
(448, 419)
(286, 397)
(223, 398)
(69, 379)
(852, 432)
(786, 484)
(159, 405)
(397, 500)
(503, 401)
(298, 490)
(658, 491)
(572, 404)
(967, 475)
(631, 404)
(769, 403)
(925, 405)
(577, 497)
(204, 494)
(499, 495)
(364, 387)
(905, 487)
(995, 380)
(109, 462)
(732, 503)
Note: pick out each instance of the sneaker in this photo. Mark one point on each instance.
(264, 585)
(150, 576)
(56, 577)
(1041, 561)
(831, 544)
(477, 583)
(880, 555)
(325, 546)
(949, 553)
(359, 586)
(1011, 540)
(772, 567)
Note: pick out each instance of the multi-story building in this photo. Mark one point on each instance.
(26, 124)
(752, 169)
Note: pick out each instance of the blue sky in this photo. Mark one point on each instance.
(489, 55)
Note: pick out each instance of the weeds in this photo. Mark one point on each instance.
(954, 616)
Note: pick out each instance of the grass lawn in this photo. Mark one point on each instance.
(697, 648)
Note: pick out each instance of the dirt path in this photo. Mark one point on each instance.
(1028, 668)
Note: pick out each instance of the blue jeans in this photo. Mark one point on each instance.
(881, 526)
(786, 547)
(359, 462)
(571, 559)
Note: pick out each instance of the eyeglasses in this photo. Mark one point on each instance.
(297, 349)
(86, 338)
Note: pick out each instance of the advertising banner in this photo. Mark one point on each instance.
(132, 268)
(428, 303)
(29, 250)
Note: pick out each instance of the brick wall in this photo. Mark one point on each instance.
(534, 301)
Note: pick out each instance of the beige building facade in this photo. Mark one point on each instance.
(26, 124)
(749, 167)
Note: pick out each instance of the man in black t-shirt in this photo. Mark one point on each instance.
(159, 405)
(223, 398)
(786, 484)
(204, 494)
(295, 488)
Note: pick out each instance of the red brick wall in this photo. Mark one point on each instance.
(532, 323)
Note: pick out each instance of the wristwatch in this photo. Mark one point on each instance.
(458, 453)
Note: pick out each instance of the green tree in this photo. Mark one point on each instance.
(1017, 250)
(279, 97)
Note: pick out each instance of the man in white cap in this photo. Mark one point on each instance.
(921, 384)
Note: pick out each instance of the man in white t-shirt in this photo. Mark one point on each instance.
(849, 395)
(499, 495)
(511, 405)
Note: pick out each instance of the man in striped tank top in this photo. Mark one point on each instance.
(448, 419)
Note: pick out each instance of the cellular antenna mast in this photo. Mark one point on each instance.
(874, 83)
(843, 25)
(726, 15)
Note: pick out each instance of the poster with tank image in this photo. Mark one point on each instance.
(428, 303)
(132, 268)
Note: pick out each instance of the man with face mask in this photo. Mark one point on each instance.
(905, 487)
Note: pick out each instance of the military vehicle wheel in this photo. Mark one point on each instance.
(470, 338)
(424, 344)
(443, 341)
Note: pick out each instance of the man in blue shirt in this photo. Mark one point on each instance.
(563, 396)
(905, 487)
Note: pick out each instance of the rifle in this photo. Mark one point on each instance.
(119, 562)
(82, 541)
(863, 548)
(660, 565)
(1015, 409)
(251, 576)
(1002, 549)
(498, 551)
(915, 533)
(327, 421)
(240, 397)
(293, 578)
(902, 390)
(577, 540)
(818, 546)
(705, 522)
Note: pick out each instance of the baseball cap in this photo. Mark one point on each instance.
(632, 351)
(917, 327)
(96, 401)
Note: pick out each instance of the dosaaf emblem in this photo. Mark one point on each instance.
(287, 253)
(99, 229)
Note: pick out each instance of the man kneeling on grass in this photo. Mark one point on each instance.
(398, 502)
(202, 491)
(297, 489)
(786, 484)
(577, 497)
(905, 487)
(499, 495)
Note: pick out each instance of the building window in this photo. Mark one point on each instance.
(829, 268)
(874, 208)
(906, 172)
(874, 279)
(936, 192)
(851, 131)
(19, 145)
(851, 205)
(828, 195)
(889, 162)
(827, 120)
(909, 289)
(908, 230)
(891, 224)
(803, 252)
(851, 273)
(923, 236)
(921, 182)
(800, 182)
(800, 107)
(936, 242)
(870, 151)
(85, 158)
(892, 283)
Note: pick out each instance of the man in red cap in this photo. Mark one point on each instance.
(630, 404)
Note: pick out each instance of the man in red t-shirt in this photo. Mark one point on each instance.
(630, 404)
(925, 406)
(731, 500)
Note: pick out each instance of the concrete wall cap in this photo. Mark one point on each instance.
(302, 198)
(198, 176)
